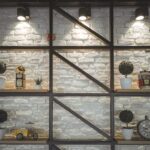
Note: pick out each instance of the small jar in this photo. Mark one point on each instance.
(144, 79)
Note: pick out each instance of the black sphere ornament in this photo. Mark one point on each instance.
(2, 67)
(3, 116)
(126, 68)
(126, 116)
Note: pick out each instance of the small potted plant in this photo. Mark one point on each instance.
(126, 68)
(3, 118)
(2, 78)
(126, 116)
(38, 83)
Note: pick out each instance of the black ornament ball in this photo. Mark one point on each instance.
(2, 67)
(126, 67)
(3, 116)
(126, 116)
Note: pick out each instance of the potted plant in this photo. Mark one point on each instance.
(3, 118)
(38, 83)
(126, 68)
(2, 78)
(126, 116)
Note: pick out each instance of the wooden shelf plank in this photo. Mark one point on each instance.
(15, 142)
(133, 142)
(23, 90)
(133, 90)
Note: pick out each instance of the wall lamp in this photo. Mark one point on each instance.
(141, 13)
(84, 13)
(23, 13)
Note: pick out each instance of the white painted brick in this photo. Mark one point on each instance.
(74, 43)
(33, 36)
(80, 36)
(66, 79)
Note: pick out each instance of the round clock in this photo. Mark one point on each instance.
(143, 128)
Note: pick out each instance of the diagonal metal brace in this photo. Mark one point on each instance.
(82, 71)
(54, 147)
(82, 119)
(74, 20)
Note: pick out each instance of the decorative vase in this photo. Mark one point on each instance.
(2, 132)
(38, 87)
(2, 82)
(127, 133)
(126, 82)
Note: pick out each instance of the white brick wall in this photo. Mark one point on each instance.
(25, 109)
(66, 79)
(138, 58)
(92, 61)
(15, 33)
(35, 63)
(94, 109)
(70, 34)
(127, 31)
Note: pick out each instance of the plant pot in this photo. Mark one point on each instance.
(127, 133)
(2, 82)
(2, 132)
(38, 87)
(126, 82)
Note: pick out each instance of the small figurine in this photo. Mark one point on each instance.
(20, 77)
(38, 83)
(25, 133)
(144, 79)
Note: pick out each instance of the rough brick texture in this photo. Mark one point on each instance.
(35, 63)
(15, 33)
(66, 79)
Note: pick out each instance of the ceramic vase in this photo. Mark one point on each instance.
(2, 82)
(127, 133)
(126, 82)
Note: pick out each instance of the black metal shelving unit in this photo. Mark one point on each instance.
(110, 47)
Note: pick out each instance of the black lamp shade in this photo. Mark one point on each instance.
(23, 13)
(141, 13)
(84, 13)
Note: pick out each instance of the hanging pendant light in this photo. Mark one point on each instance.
(23, 13)
(141, 13)
(84, 13)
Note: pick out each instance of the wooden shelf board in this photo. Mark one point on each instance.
(133, 90)
(133, 142)
(42, 141)
(24, 90)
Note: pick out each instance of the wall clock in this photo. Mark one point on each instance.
(143, 128)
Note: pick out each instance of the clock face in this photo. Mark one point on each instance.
(144, 129)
